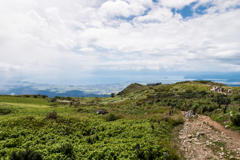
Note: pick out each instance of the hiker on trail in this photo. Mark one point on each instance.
(222, 89)
(229, 91)
(215, 88)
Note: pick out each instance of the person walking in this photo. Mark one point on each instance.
(229, 91)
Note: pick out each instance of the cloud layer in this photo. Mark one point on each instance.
(56, 37)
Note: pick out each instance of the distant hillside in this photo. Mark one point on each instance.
(132, 88)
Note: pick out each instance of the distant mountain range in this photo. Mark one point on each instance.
(100, 90)
(52, 90)
(49, 93)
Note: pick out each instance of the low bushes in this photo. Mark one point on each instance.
(175, 119)
(67, 149)
(236, 98)
(150, 154)
(112, 117)
(52, 115)
(26, 155)
(5, 111)
(202, 108)
(236, 119)
(52, 100)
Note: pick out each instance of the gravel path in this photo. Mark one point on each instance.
(203, 138)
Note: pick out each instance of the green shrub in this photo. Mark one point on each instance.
(68, 98)
(79, 110)
(149, 154)
(201, 109)
(112, 117)
(236, 119)
(202, 81)
(156, 118)
(211, 107)
(44, 96)
(140, 154)
(5, 111)
(53, 104)
(176, 120)
(112, 95)
(52, 115)
(26, 155)
(67, 149)
(195, 107)
(236, 98)
(52, 100)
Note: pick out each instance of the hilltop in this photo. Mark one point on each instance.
(132, 88)
(141, 122)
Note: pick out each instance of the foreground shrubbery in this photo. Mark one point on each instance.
(72, 138)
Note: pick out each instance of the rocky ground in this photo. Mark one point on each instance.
(203, 138)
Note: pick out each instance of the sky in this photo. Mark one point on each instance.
(102, 41)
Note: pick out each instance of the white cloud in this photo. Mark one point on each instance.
(87, 49)
(176, 3)
(41, 37)
(6, 67)
(156, 15)
(124, 8)
(218, 5)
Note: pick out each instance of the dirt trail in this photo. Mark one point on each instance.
(233, 134)
(203, 138)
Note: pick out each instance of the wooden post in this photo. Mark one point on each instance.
(138, 146)
(219, 104)
(152, 127)
(224, 110)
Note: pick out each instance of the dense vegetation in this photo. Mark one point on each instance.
(138, 124)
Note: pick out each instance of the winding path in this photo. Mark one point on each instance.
(200, 141)
(232, 134)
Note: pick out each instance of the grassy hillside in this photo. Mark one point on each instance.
(25, 99)
(69, 128)
(133, 88)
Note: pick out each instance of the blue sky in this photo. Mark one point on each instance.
(98, 41)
